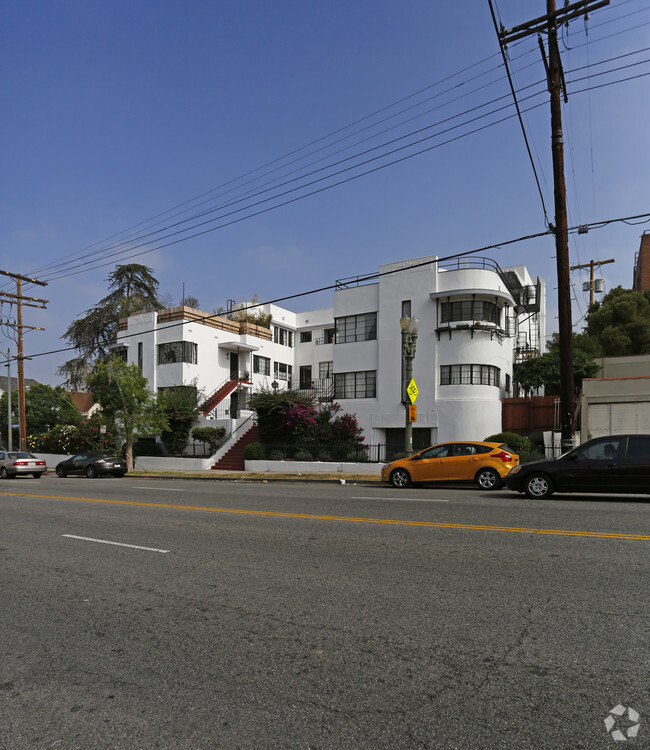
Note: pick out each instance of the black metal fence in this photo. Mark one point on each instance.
(325, 452)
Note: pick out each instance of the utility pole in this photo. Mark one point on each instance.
(19, 302)
(556, 86)
(590, 266)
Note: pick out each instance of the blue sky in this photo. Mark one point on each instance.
(114, 113)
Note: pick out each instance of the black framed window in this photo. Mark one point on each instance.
(325, 370)
(305, 337)
(261, 365)
(470, 375)
(282, 336)
(178, 351)
(282, 371)
(355, 384)
(467, 309)
(356, 328)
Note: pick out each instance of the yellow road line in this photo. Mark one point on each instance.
(348, 519)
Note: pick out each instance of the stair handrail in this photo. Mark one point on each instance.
(242, 376)
(226, 438)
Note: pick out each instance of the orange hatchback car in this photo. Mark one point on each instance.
(487, 464)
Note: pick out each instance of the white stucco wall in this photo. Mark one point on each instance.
(447, 412)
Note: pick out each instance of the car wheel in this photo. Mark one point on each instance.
(488, 479)
(538, 487)
(37, 475)
(91, 472)
(400, 478)
(3, 473)
(60, 471)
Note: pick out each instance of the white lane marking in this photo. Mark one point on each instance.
(117, 544)
(410, 499)
(158, 489)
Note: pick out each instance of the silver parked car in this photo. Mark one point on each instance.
(19, 463)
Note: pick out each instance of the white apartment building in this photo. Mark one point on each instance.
(475, 321)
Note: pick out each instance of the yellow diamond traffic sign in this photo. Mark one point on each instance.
(412, 391)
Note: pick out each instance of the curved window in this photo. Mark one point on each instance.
(470, 375)
(469, 309)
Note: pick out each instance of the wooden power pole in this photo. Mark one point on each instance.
(549, 24)
(19, 301)
(590, 266)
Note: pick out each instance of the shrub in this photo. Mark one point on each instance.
(147, 447)
(303, 455)
(324, 456)
(518, 443)
(536, 454)
(254, 452)
(276, 455)
(210, 435)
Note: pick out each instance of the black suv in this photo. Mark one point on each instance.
(616, 463)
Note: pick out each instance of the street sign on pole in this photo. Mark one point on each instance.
(412, 391)
(413, 413)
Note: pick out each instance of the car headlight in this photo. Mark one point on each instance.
(514, 470)
(385, 466)
(100, 461)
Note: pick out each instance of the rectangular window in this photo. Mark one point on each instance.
(282, 371)
(305, 337)
(325, 370)
(261, 365)
(140, 355)
(121, 352)
(356, 328)
(355, 384)
(178, 351)
(470, 375)
(406, 308)
(282, 336)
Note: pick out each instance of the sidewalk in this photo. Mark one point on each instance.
(248, 476)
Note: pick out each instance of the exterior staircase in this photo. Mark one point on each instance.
(221, 392)
(233, 460)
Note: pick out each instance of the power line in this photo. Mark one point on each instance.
(96, 264)
(333, 133)
(370, 277)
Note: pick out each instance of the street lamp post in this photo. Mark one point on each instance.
(409, 328)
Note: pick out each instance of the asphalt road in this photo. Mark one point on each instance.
(289, 615)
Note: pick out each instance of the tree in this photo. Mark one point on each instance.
(133, 288)
(190, 301)
(620, 323)
(544, 371)
(123, 393)
(181, 409)
(46, 407)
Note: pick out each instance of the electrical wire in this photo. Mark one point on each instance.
(378, 111)
(372, 277)
(608, 22)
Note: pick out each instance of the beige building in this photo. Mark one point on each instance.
(618, 401)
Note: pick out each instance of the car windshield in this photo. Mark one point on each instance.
(16, 454)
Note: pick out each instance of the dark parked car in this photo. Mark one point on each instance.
(19, 463)
(92, 465)
(612, 464)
